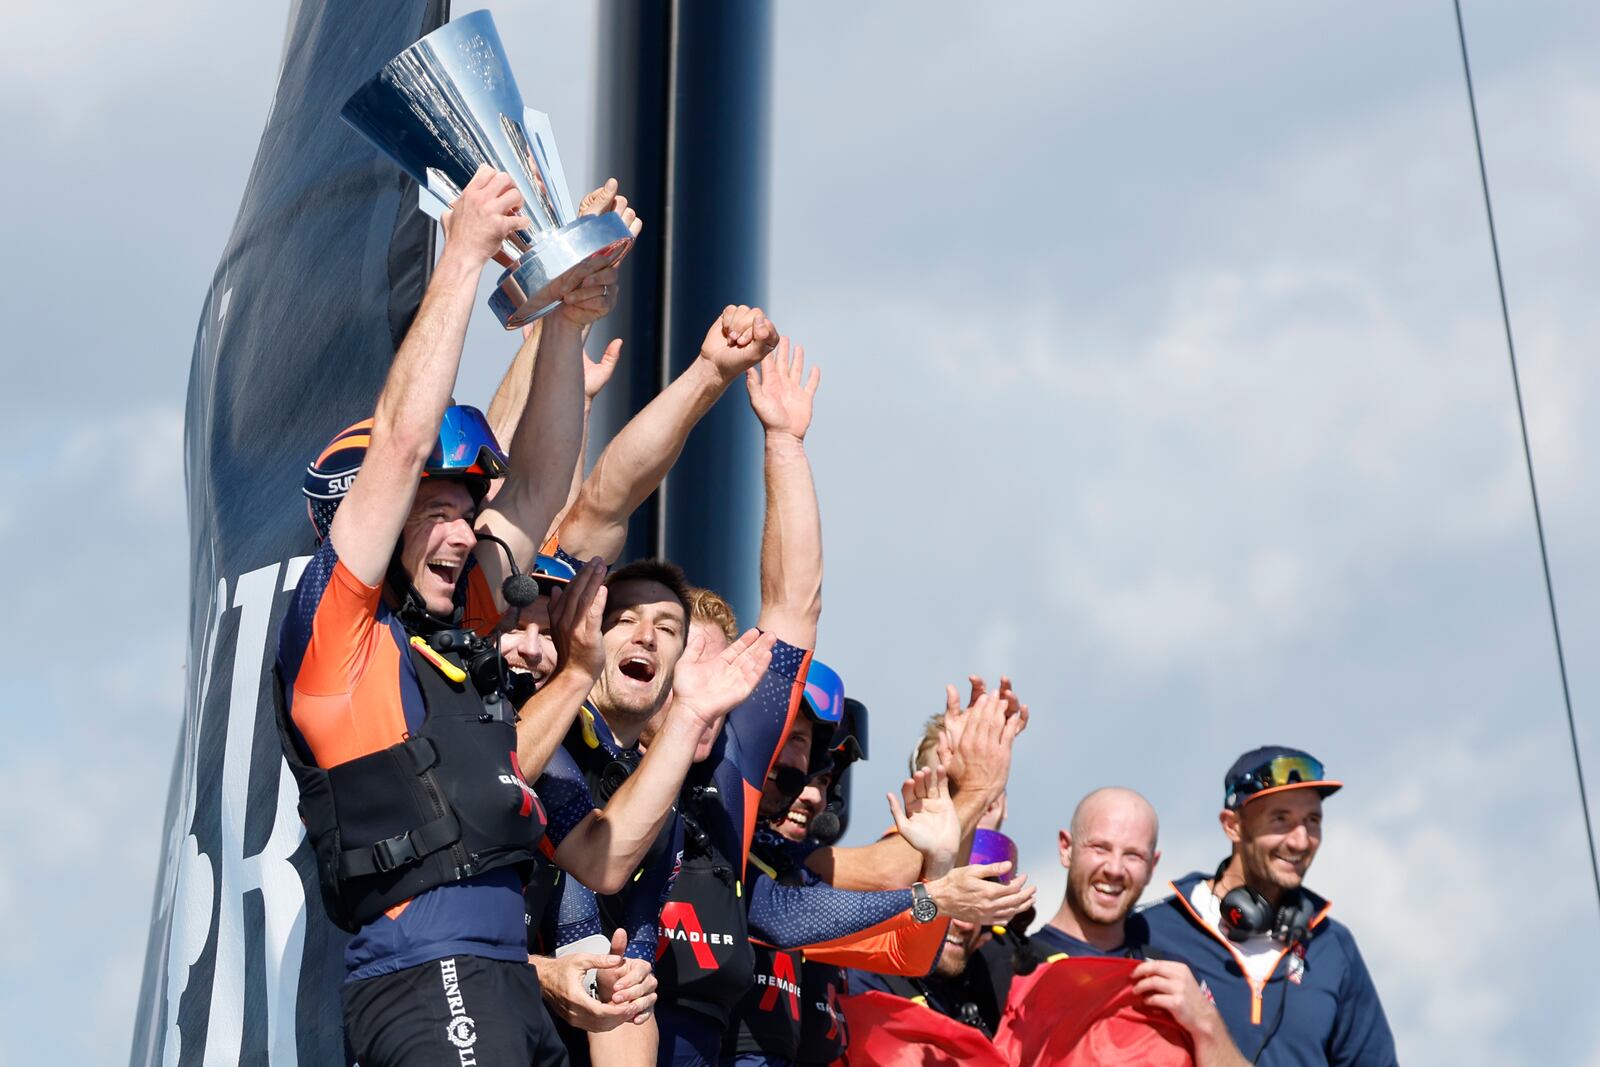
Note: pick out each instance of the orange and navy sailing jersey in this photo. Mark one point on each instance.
(351, 689)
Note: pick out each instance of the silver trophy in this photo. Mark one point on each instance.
(448, 104)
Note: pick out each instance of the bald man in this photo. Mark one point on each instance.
(1109, 853)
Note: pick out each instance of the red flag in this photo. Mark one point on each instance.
(1081, 1012)
(891, 1031)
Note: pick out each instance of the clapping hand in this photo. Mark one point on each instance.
(575, 616)
(928, 820)
(707, 687)
(977, 742)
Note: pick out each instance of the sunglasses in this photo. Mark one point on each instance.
(1276, 772)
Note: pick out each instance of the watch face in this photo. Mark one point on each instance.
(924, 910)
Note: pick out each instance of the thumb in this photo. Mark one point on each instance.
(591, 961)
(989, 870)
(897, 812)
(619, 941)
(612, 353)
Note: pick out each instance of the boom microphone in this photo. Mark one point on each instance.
(825, 828)
(518, 589)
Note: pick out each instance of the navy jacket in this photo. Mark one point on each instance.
(1318, 1006)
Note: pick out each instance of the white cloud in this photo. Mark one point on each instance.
(1269, 488)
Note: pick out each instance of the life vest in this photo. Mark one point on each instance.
(824, 1034)
(446, 804)
(605, 767)
(704, 960)
(766, 1021)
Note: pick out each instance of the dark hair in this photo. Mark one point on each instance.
(660, 571)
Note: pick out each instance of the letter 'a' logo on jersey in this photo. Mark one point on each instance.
(782, 979)
(680, 922)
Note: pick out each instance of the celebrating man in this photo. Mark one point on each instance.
(394, 717)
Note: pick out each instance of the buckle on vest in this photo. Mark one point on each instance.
(394, 852)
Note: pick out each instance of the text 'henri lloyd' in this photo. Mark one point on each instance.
(461, 1030)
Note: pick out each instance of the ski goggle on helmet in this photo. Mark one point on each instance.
(466, 449)
(824, 693)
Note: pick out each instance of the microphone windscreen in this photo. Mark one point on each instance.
(519, 590)
(825, 828)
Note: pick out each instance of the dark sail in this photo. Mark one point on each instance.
(319, 281)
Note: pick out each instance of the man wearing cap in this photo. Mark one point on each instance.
(1287, 979)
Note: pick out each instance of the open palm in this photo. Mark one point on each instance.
(780, 391)
(707, 687)
(927, 819)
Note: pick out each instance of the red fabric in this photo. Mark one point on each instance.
(1081, 1012)
(891, 1031)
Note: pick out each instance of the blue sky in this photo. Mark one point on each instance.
(1162, 370)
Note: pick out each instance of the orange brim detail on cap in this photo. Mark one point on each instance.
(1328, 786)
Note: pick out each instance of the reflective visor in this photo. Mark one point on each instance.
(824, 692)
(1281, 772)
(992, 846)
(466, 445)
(551, 572)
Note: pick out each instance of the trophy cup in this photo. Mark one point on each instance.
(448, 104)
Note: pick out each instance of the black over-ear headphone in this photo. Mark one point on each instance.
(1246, 913)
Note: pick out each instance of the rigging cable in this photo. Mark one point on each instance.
(1527, 455)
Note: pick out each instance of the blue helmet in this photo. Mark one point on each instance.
(466, 450)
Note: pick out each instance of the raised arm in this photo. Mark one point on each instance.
(510, 400)
(604, 849)
(405, 423)
(638, 458)
(791, 539)
(544, 445)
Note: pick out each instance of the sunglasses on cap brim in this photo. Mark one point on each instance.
(1279, 773)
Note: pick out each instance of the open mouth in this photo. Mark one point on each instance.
(639, 668)
(445, 570)
(1107, 892)
(797, 818)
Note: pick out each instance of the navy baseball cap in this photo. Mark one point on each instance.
(1274, 769)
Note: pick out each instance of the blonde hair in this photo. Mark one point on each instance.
(706, 605)
(926, 754)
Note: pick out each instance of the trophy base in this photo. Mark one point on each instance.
(534, 287)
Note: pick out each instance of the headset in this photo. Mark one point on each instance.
(1246, 913)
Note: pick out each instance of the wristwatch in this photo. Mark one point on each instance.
(923, 908)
